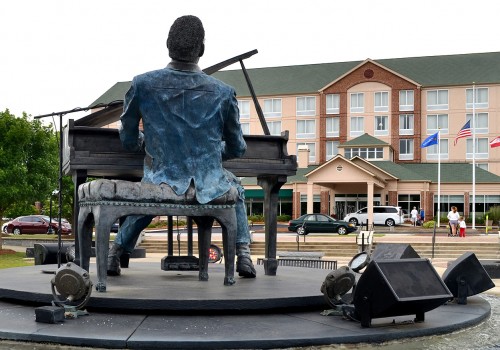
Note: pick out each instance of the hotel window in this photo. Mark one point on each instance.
(332, 127)
(480, 122)
(482, 146)
(312, 150)
(306, 129)
(483, 166)
(306, 106)
(357, 102)
(381, 101)
(381, 125)
(245, 127)
(432, 151)
(357, 126)
(405, 149)
(437, 122)
(244, 107)
(437, 99)
(481, 95)
(332, 104)
(406, 100)
(272, 107)
(274, 128)
(406, 124)
(364, 152)
(332, 149)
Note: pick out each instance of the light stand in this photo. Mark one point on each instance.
(61, 114)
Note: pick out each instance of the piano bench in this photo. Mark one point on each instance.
(102, 202)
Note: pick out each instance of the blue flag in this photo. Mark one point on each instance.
(430, 140)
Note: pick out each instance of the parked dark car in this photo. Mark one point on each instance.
(312, 223)
(36, 224)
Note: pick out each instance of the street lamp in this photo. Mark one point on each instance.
(54, 193)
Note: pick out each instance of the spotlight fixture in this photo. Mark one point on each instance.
(359, 261)
(336, 284)
(73, 284)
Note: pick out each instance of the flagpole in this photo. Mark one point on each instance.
(439, 181)
(473, 155)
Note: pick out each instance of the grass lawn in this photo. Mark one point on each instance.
(10, 258)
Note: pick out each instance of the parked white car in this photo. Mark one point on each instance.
(382, 215)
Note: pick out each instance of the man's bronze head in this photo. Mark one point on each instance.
(186, 39)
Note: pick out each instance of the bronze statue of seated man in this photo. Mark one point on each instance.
(191, 124)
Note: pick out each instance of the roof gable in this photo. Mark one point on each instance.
(365, 140)
(364, 63)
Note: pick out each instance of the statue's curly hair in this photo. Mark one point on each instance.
(186, 39)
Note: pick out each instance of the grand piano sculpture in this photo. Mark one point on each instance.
(93, 151)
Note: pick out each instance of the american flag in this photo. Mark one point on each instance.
(464, 132)
(495, 142)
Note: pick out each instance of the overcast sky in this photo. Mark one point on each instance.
(56, 55)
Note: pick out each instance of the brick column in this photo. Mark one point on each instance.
(393, 198)
(325, 203)
(429, 206)
(466, 204)
(296, 205)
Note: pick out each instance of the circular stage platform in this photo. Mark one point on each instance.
(145, 287)
(147, 308)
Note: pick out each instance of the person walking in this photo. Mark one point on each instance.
(453, 217)
(414, 216)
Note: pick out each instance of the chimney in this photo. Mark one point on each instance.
(303, 156)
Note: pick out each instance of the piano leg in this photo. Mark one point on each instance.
(271, 185)
(79, 177)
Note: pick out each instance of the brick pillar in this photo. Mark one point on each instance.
(393, 198)
(325, 205)
(429, 206)
(466, 204)
(296, 205)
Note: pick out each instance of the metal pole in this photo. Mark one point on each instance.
(473, 156)
(50, 215)
(59, 229)
(433, 239)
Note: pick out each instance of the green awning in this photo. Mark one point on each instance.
(259, 194)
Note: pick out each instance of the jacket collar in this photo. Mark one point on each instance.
(185, 66)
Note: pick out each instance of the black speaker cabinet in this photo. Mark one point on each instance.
(466, 277)
(398, 287)
(388, 251)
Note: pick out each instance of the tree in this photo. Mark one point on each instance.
(29, 163)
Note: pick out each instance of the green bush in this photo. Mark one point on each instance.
(256, 218)
(284, 218)
(494, 214)
(480, 220)
(163, 224)
(429, 224)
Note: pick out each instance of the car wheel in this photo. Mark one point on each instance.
(390, 222)
(342, 230)
(16, 231)
(301, 231)
(353, 221)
